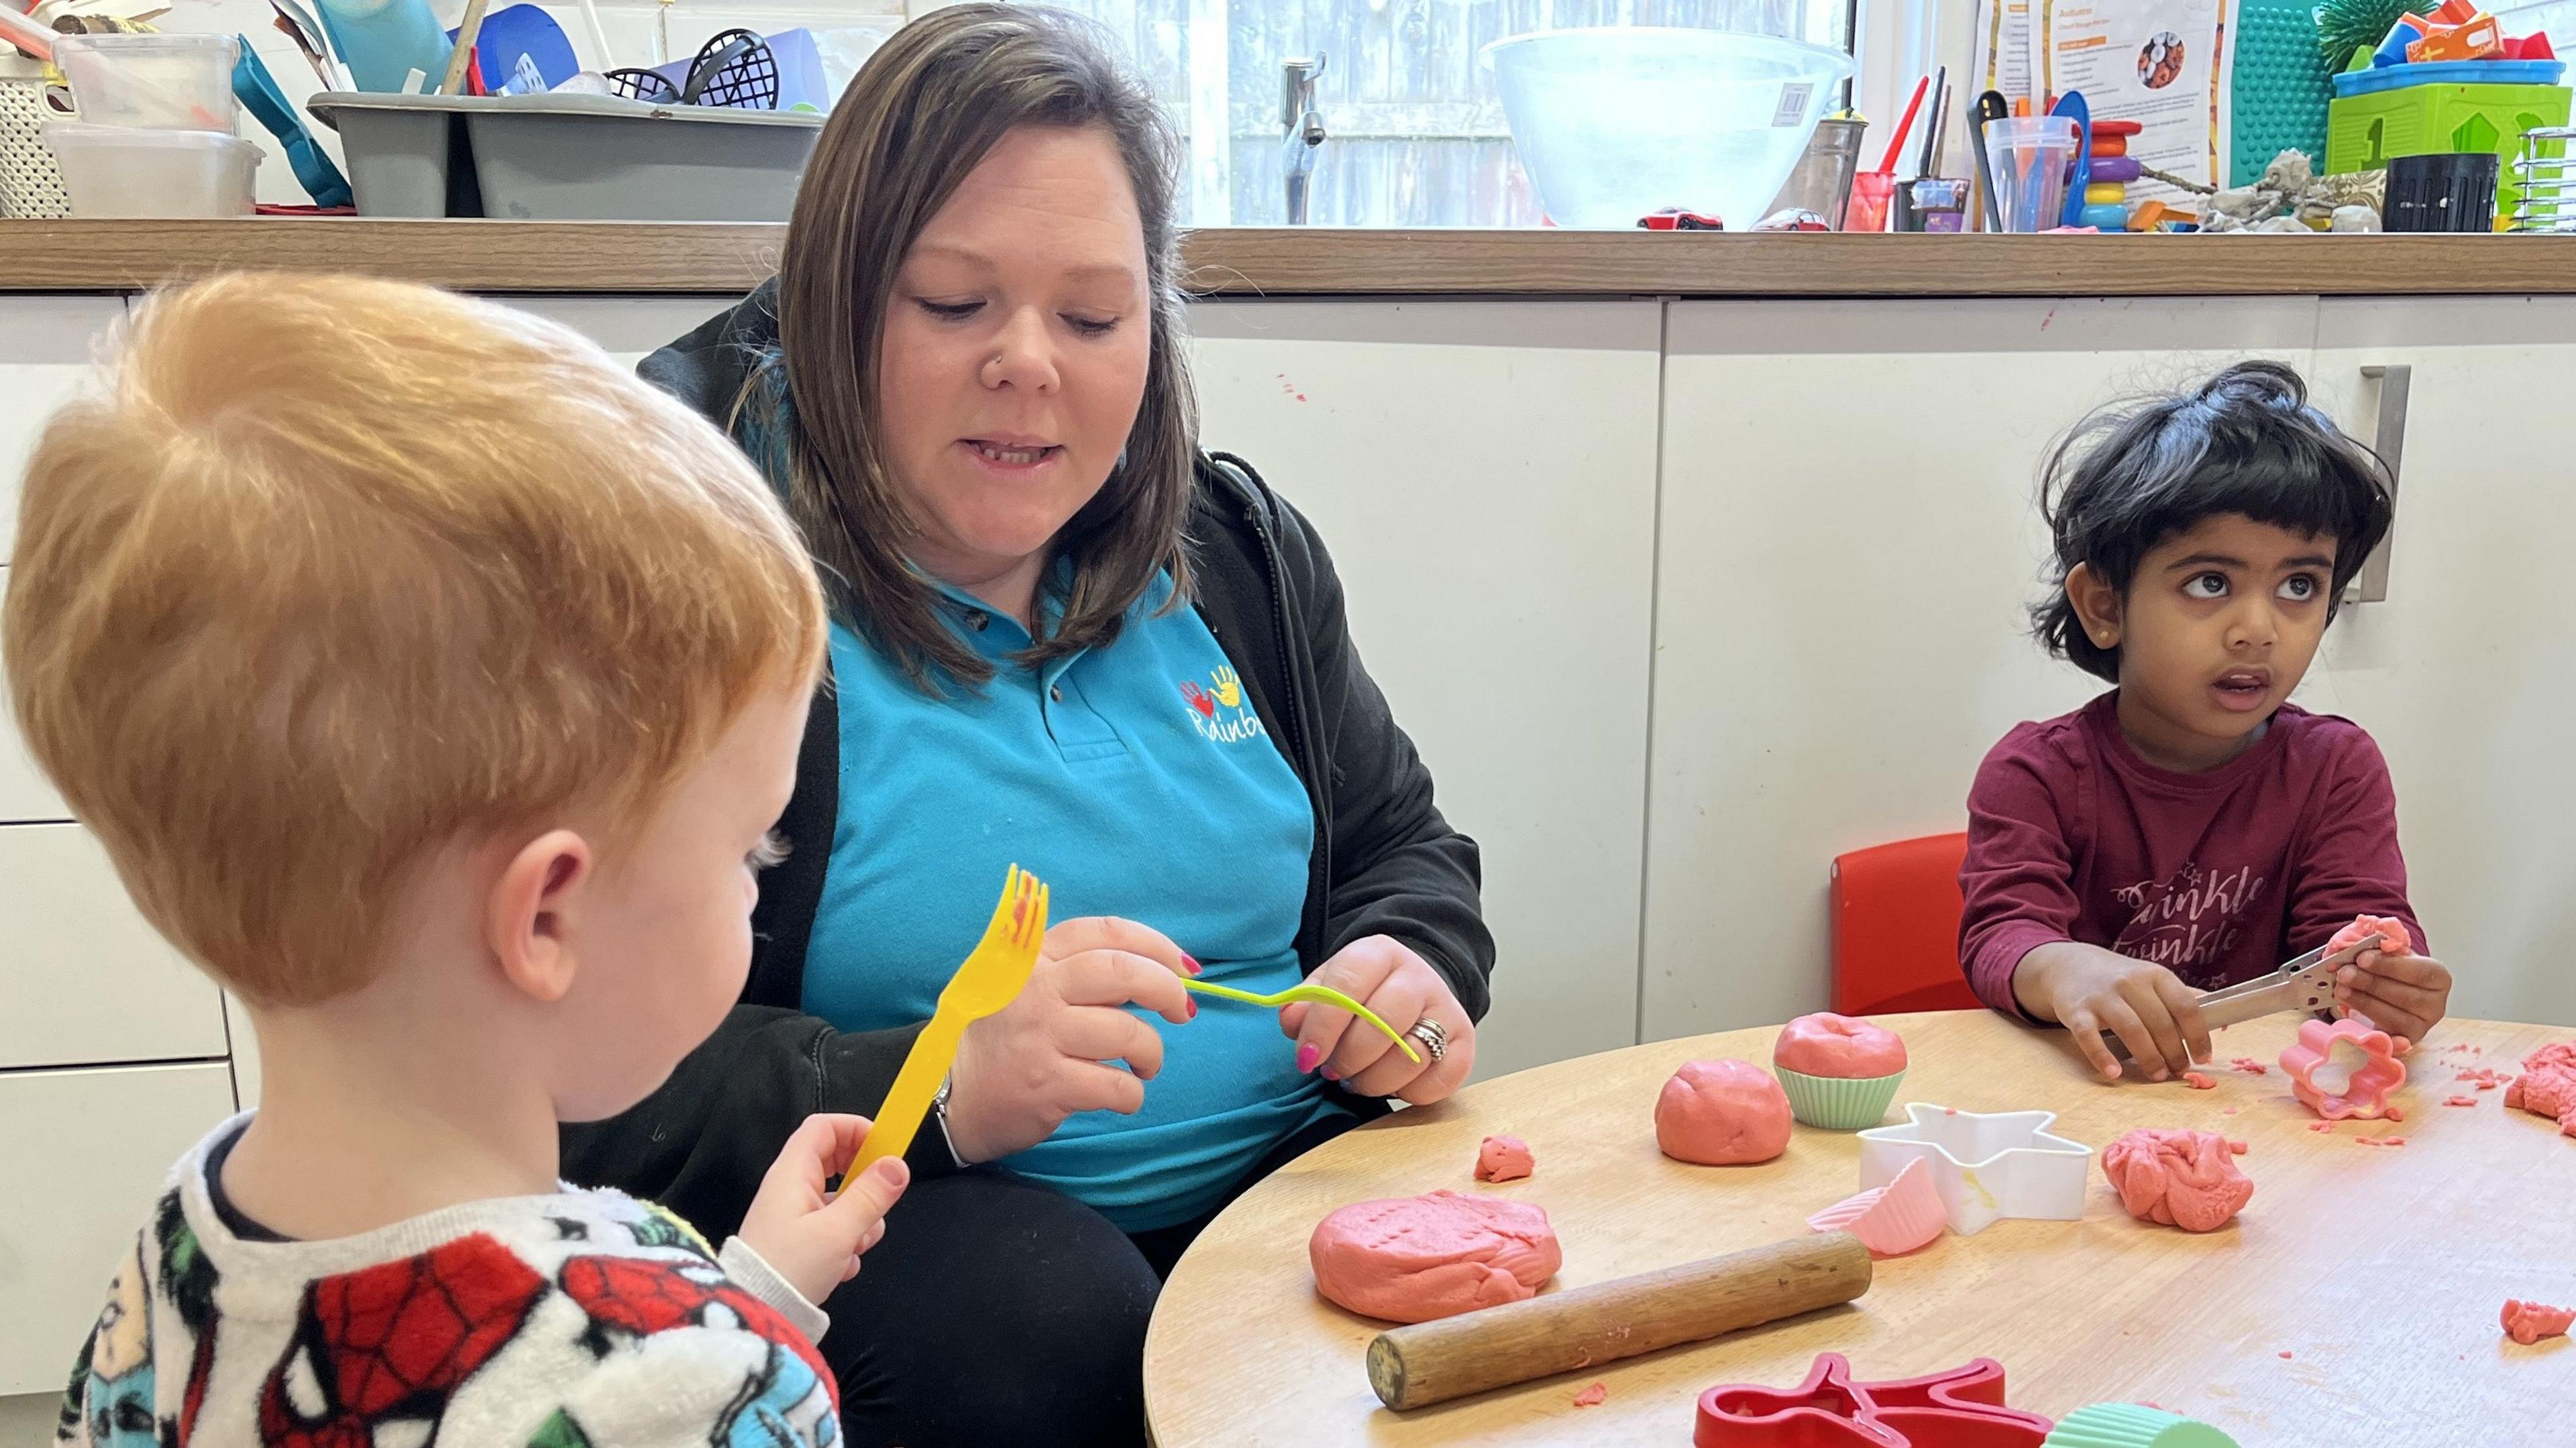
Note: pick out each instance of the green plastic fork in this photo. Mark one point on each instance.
(1320, 995)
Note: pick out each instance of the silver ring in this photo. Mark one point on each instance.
(1434, 1038)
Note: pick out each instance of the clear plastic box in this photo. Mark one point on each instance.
(128, 171)
(163, 82)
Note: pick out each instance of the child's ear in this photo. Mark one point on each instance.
(533, 909)
(2096, 604)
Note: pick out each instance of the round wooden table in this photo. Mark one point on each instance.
(2353, 1302)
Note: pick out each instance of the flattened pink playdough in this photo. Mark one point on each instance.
(2185, 1179)
(1411, 1259)
(1504, 1159)
(1722, 1113)
(1826, 1044)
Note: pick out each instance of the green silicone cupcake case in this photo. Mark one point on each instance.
(2133, 1425)
(1834, 1103)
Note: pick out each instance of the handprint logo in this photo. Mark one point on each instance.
(1229, 688)
(1198, 698)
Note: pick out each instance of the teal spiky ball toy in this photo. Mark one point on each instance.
(2344, 26)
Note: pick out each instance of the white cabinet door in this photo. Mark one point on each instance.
(87, 1154)
(46, 345)
(25, 793)
(1849, 543)
(631, 328)
(87, 982)
(1484, 475)
(2466, 675)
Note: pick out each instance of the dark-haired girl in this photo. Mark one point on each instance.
(2191, 828)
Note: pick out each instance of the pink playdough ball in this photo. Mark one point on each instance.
(1722, 1113)
(1826, 1044)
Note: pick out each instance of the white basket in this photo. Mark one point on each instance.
(31, 181)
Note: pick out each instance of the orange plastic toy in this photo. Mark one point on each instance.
(2479, 39)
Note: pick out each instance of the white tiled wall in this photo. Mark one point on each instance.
(846, 30)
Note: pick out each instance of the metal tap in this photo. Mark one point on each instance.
(1301, 130)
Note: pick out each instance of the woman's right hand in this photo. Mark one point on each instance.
(1021, 1071)
(2090, 990)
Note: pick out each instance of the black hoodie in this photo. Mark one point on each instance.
(1385, 862)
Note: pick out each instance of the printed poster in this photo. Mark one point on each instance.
(2000, 60)
(2169, 65)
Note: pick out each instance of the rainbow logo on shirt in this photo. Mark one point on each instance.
(1217, 710)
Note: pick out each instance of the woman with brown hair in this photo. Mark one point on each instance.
(1063, 636)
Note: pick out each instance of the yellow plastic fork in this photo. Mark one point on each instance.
(990, 979)
(1320, 995)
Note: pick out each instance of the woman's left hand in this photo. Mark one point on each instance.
(1384, 975)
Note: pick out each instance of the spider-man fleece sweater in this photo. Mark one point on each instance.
(581, 1318)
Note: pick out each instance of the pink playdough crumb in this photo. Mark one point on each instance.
(2238, 1147)
(2198, 1082)
(2228, 1111)
(1504, 1159)
(2379, 1141)
(1593, 1396)
(2459, 1101)
(2285, 1354)
(2529, 1322)
(2320, 1126)
(2250, 1066)
(2392, 1114)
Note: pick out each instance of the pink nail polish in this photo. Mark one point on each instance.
(1194, 1009)
(1192, 962)
(1332, 1075)
(1307, 1056)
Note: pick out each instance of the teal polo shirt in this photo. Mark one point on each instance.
(1137, 781)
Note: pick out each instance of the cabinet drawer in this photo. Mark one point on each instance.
(46, 344)
(86, 1153)
(25, 793)
(88, 982)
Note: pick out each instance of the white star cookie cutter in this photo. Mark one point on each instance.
(1985, 1165)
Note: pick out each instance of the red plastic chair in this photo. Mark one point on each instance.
(1896, 928)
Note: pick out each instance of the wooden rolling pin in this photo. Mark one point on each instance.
(1563, 1332)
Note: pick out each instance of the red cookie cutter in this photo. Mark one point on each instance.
(1961, 1408)
(2361, 1090)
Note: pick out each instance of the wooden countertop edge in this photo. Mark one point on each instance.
(648, 257)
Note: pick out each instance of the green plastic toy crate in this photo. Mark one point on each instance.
(2364, 131)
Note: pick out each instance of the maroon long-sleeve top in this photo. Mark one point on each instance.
(2218, 876)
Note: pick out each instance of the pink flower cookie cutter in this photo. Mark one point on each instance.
(1984, 1164)
(1961, 1408)
(2344, 1068)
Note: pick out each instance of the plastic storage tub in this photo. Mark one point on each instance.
(1618, 122)
(127, 171)
(2367, 126)
(567, 158)
(166, 82)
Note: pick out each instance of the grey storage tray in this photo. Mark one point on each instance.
(567, 158)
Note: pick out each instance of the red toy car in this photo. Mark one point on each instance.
(1673, 218)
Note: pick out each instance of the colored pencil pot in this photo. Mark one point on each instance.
(1839, 1103)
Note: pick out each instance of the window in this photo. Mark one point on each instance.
(1416, 133)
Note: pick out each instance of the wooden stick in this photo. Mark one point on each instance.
(1563, 1332)
(469, 32)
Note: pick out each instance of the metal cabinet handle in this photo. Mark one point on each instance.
(2396, 381)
